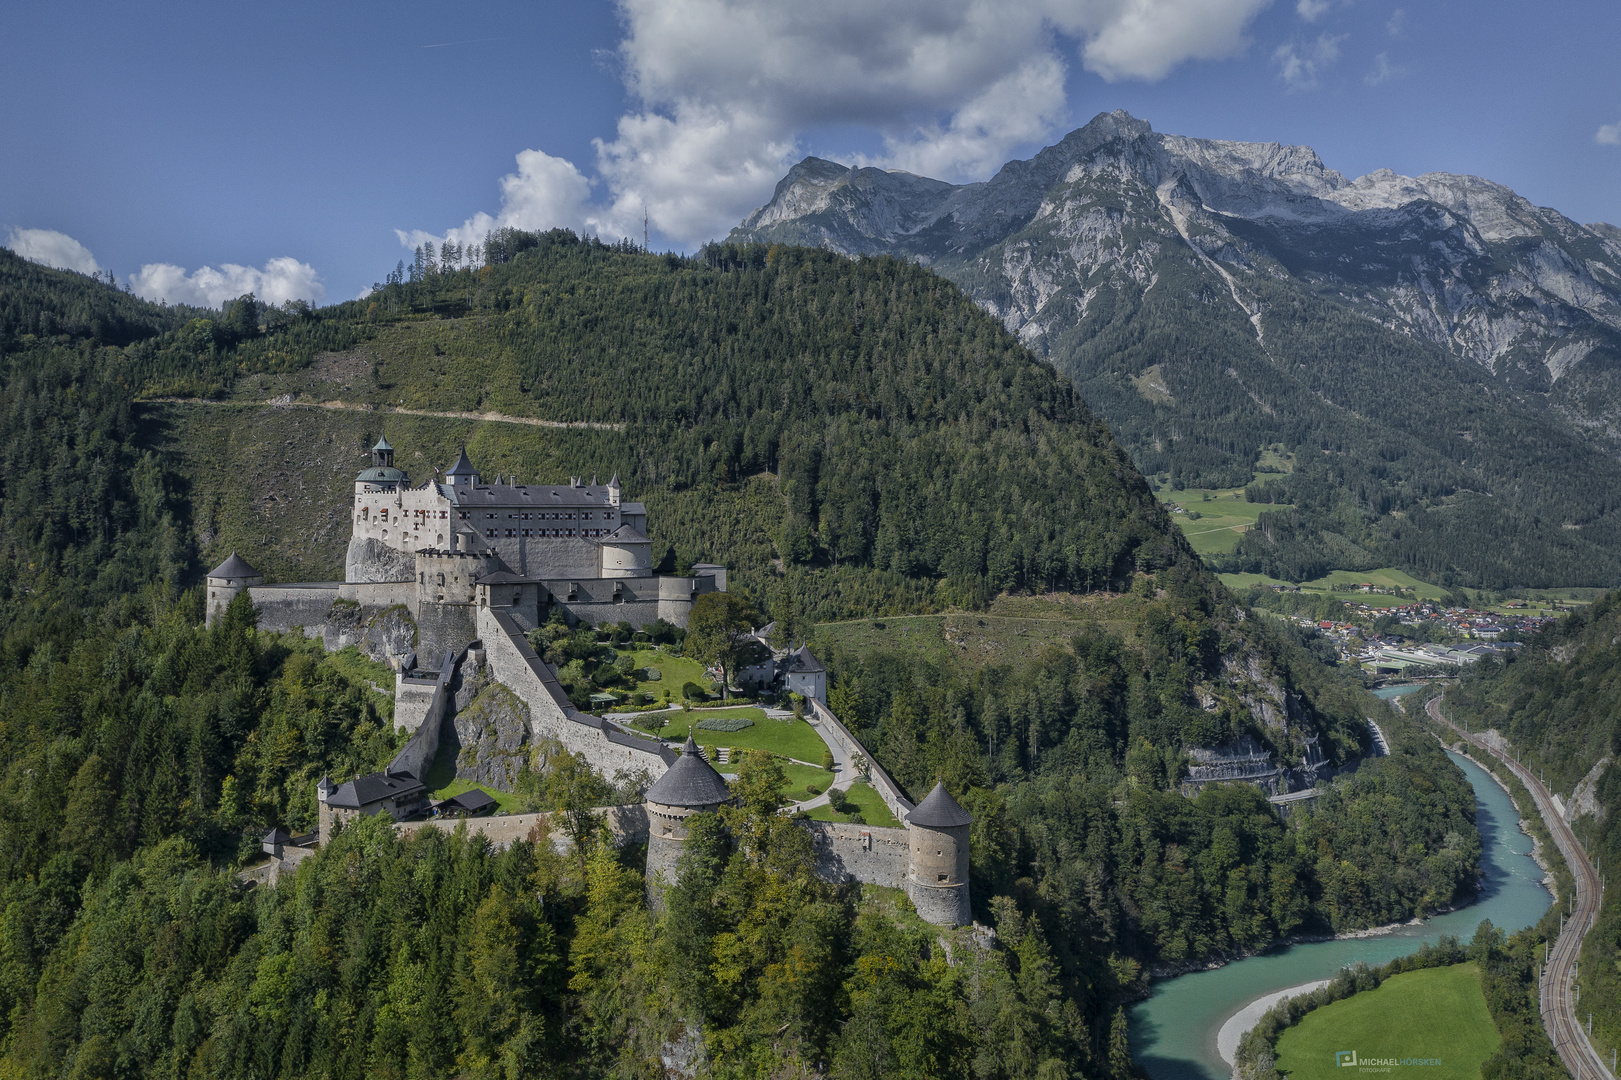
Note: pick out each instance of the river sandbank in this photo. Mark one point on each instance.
(1238, 1025)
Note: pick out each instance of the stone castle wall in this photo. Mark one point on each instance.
(942, 907)
(412, 699)
(284, 607)
(872, 855)
(551, 716)
(419, 750)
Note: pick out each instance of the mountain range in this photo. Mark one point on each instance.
(1435, 357)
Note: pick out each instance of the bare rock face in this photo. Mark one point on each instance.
(492, 730)
(382, 635)
(371, 561)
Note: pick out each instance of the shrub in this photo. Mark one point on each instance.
(725, 723)
(827, 760)
(693, 692)
(651, 674)
(838, 800)
(812, 789)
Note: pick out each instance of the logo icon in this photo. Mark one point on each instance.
(1343, 1058)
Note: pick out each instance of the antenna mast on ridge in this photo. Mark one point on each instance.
(644, 226)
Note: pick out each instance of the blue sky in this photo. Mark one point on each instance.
(205, 148)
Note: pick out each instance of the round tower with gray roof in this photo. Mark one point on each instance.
(690, 786)
(937, 871)
(225, 581)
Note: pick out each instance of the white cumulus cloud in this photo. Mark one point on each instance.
(51, 248)
(1312, 10)
(1300, 66)
(1608, 134)
(280, 280)
(725, 91)
(1382, 71)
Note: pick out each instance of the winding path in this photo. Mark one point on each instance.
(1559, 1013)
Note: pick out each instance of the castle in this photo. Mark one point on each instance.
(456, 573)
(442, 550)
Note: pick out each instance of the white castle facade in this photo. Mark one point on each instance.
(444, 549)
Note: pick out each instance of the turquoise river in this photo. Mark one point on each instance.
(1173, 1032)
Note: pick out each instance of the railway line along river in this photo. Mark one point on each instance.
(1173, 1032)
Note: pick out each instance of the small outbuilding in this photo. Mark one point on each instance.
(471, 803)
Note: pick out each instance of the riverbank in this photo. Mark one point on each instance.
(1239, 1024)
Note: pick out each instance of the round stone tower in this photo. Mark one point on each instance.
(225, 581)
(691, 786)
(937, 873)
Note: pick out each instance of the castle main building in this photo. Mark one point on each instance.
(445, 548)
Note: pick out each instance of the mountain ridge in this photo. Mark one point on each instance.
(1281, 302)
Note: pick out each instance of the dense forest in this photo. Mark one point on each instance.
(860, 423)
(1558, 701)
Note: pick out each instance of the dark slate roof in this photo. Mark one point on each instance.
(503, 577)
(463, 467)
(691, 782)
(375, 787)
(633, 742)
(234, 567)
(382, 444)
(278, 835)
(530, 496)
(472, 800)
(802, 661)
(382, 474)
(939, 811)
(626, 534)
(633, 508)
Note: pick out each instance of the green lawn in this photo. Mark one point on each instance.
(873, 809)
(791, 738)
(1437, 1013)
(676, 671)
(799, 776)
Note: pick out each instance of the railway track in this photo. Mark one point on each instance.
(1560, 1014)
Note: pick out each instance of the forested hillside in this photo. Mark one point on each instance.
(1558, 701)
(852, 439)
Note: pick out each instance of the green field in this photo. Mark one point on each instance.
(792, 738)
(1223, 516)
(799, 776)
(1437, 1013)
(873, 809)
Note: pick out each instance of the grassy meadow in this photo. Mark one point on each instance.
(1436, 1014)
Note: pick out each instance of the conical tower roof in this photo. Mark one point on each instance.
(690, 783)
(382, 444)
(939, 811)
(234, 567)
(463, 467)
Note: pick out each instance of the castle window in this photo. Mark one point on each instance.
(940, 877)
(422, 578)
(441, 581)
(586, 516)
